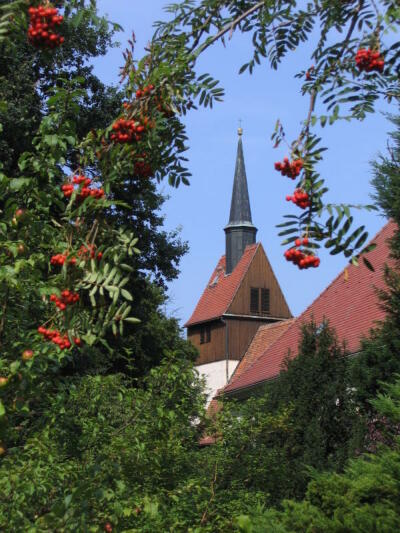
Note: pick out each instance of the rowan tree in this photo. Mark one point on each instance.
(354, 64)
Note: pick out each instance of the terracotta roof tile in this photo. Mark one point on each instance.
(352, 308)
(207, 441)
(264, 337)
(218, 295)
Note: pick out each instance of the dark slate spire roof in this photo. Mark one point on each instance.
(240, 205)
(240, 231)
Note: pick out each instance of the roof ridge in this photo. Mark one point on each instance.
(204, 291)
(271, 325)
(247, 258)
(248, 247)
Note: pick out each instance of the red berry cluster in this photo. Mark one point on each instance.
(300, 198)
(299, 257)
(126, 131)
(89, 250)
(67, 298)
(84, 192)
(291, 170)
(58, 338)
(59, 259)
(368, 60)
(142, 168)
(42, 22)
(140, 93)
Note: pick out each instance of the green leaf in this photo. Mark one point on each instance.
(132, 320)
(126, 294)
(368, 264)
(17, 183)
(244, 524)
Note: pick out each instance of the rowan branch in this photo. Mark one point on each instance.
(351, 27)
(306, 129)
(229, 27)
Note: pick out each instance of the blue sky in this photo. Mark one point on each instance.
(202, 209)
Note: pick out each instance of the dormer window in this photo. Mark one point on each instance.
(214, 281)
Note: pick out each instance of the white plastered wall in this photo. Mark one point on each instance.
(215, 376)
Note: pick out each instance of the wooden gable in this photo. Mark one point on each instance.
(266, 291)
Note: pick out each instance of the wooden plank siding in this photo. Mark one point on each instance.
(241, 329)
(240, 334)
(261, 275)
(209, 351)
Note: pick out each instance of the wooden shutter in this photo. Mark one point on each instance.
(202, 335)
(265, 301)
(208, 333)
(254, 303)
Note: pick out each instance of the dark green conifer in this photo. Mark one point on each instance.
(380, 357)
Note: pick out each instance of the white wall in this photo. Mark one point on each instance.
(215, 375)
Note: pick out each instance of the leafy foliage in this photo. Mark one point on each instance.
(379, 361)
(103, 451)
(104, 433)
(363, 498)
(276, 28)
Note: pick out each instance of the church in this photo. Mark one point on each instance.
(242, 325)
(242, 294)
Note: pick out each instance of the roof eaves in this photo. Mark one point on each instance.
(256, 384)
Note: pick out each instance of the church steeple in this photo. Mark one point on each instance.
(240, 231)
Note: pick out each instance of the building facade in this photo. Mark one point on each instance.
(242, 294)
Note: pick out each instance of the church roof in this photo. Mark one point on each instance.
(221, 288)
(264, 337)
(350, 303)
(240, 213)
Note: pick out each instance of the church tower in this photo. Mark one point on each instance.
(240, 231)
(241, 295)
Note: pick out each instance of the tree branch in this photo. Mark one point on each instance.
(229, 27)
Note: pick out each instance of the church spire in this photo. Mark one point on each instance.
(240, 231)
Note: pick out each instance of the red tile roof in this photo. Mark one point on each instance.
(218, 295)
(207, 441)
(351, 306)
(263, 338)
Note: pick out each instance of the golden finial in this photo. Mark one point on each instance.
(240, 130)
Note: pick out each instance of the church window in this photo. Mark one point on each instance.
(254, 300)
(264, 301)
(205, 334)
